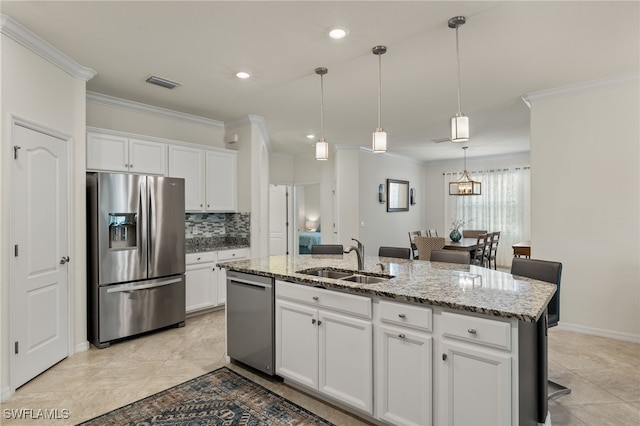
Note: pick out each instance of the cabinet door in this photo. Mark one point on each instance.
(297, 343)
(147, 157)
(188, 163)
(221, 184)
(477, 386)
(107, 152)
(201, 287)
(346, 358)
(404, 377)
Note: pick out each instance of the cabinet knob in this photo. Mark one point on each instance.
(472, 331)
(319, 322)
(198, 259)
(200, 205)
(444, 357)
(402, 336)
(313, 321)
(402, 315)
(131, 166)
(315, 298)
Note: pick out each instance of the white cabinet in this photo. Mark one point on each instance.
(322, 348)
(221, 186)
(188, 163)
(475, 374)
(201, 281)
(210, 178)
(206, 285)
(122, 154)
(404, 364)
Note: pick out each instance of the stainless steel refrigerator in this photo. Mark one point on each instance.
(135, 255)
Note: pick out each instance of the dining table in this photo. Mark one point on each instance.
(465, 244)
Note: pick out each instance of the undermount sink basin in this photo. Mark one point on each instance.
(326, 273)
(364, 279)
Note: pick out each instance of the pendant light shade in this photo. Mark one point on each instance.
(379, 136)
(460, 122)
(322, 146)
(465, 185)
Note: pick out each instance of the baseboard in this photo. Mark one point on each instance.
(628, 337)
(81, 347)
(5, 393)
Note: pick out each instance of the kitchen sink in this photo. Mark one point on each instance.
(364, 279)
(326, 273)
(346, 275)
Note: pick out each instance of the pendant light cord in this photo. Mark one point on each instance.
(321, 107)
(380, 87)
(458, 58)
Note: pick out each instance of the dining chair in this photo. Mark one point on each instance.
(397, 252)
(478, 257)
(472, 233)
(450, 256)
(427, 244)
(433, 232)
(327, 249)
(412, 242)
(492, 256)
(551, 272)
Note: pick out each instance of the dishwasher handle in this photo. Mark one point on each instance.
(249, 283)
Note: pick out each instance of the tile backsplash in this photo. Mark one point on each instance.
(236, 225)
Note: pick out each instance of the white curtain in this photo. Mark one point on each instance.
(503, 206)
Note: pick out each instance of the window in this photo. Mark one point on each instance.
(503, 206)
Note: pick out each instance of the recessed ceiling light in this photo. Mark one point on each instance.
(243, 74)
(338, 33)
(310, 136)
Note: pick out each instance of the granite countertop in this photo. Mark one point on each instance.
(462, 287)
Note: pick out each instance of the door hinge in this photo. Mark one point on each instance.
(15, 250)
(16, 347)
(15, 151)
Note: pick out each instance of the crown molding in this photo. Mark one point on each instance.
(564, 90)
(27, 38)
(250, 119)
(99, 98)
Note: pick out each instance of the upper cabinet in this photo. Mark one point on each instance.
(221, 184)
(210, 178)
(123, 154)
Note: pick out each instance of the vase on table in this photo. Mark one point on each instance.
(455, 235)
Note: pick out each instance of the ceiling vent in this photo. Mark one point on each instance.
(159, 81)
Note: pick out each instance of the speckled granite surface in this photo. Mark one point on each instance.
(201, 244)
(462, 287)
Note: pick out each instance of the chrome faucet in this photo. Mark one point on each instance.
(359, 252)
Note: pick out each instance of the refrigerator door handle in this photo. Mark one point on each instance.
(133, 287)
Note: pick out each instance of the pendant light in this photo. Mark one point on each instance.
(379, 136)
(465, 185)
(460, 122)
(322, 146)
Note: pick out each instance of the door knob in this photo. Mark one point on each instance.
(64, 260)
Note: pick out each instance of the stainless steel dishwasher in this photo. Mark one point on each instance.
(250, 320)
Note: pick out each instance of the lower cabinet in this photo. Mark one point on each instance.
(404, 376)
(321, 347)
(476, 386)
(206, 284)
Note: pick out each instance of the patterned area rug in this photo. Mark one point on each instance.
(222, 397)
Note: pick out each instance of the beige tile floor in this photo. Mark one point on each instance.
(604, 376)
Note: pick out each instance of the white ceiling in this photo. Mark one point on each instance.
(507, 49)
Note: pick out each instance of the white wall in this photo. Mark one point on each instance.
(434, 194)
(585, 179)
(377, 226)
(35, 90)
(281, 169)
(144, 121)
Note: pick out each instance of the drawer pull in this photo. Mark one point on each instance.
(402, 336)
(472, 331)
(402, 315)
(315, 298)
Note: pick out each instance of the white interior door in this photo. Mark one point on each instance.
(278, 220)
(39, 287)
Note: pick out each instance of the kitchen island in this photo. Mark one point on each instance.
(429, 343)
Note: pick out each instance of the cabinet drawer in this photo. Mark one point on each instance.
(407, 315)
(477, 330)
(203, 257)
(323, 298)
(240, 253)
